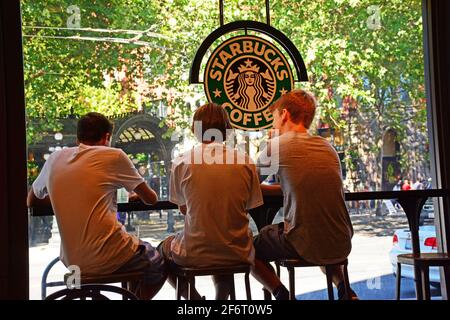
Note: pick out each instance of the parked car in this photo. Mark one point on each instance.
(427, 210)
(401, 244)
(393, 208)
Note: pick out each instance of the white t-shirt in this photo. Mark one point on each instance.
(82, 184)
(217, 197)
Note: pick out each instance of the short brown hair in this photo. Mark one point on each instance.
(212, 116)
(300, 104)
(92, 127)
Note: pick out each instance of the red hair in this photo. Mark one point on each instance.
(300, 104)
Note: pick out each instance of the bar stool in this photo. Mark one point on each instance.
(91, 291)
(44, 283)
(92, 286)
(420, 261)
(291, 264)
(423, 262)
(189, 274)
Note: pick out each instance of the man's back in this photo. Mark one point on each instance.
(82, 183)
(217, 198)
(316, 218)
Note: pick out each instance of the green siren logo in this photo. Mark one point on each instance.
(246, 74)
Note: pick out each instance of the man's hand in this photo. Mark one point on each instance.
(133, 197)
(33, 201)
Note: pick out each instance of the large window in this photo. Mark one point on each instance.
(130, 60)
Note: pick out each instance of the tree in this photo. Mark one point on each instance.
(365, 64)
(367, 76)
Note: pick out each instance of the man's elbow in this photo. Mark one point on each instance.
(146, 194)
(31, 202)
(154, 199)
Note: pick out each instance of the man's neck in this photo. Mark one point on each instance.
(100, 143)
(293, 127)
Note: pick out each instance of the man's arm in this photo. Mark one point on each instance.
(33, 201)
(146, 194)
(271, 190)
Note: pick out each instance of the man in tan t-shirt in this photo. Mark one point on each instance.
(214, 186)
(81, 183)
(316, 225)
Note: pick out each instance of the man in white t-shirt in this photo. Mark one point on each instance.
(81, 184)
(214, 187)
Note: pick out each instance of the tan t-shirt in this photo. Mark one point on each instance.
(82, 184)
(317, 222)
(217, 196)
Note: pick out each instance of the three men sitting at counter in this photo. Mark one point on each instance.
(81, 183)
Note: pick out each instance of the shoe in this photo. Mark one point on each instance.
(341, 293)
(281, 293)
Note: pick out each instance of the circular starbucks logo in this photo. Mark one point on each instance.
(246, 74)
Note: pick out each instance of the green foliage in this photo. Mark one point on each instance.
(365, 79)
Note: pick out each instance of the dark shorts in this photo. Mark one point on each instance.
(148, 260)
(165, 252)
(271, 244)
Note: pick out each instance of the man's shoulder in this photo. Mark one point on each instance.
(182, 159)
(106, 155)
(304, 139)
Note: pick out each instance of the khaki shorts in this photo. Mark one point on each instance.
(271, 244)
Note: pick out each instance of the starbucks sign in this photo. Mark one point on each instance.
(245, 75)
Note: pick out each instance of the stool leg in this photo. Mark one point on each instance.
(346, 283)
(267, 294)
(247, 286)
(191, 287)
(177, 288)
(291, 283)
(447, 280)
(329, 283)
(425, 271)
(125, 286)
(418, 282)
(232, 289)
(398, 281)
(278, 268)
